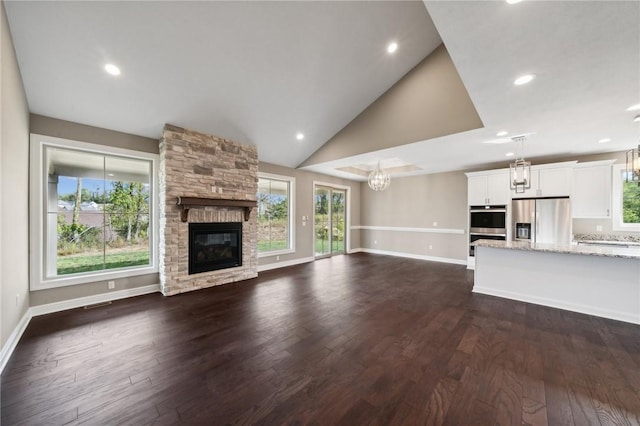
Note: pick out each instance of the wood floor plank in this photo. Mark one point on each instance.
(357, 339)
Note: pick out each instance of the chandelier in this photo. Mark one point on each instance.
(632, 165)
(520, 170)
(378, 179)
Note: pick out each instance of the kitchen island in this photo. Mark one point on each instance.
(601, 281)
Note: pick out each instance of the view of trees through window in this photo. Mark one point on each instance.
(273, 214)
(630, 202)
(100, 223)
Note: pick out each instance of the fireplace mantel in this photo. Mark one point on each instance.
(186, 203)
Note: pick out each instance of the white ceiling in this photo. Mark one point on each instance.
(259, 72)
(586, 55)
(254, 72)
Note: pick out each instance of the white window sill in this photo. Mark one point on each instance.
(627, 228)
(275, 253)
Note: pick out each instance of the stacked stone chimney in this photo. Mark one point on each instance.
(194, 164)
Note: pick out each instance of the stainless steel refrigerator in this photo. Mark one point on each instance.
(542, 220)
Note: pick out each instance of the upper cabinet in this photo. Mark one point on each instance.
(485, 188)
(587, 184)
(592, 190)
(549, 180)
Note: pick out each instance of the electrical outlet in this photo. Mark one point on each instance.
(599, 228)
(112, 285)
(375, 241)
(435, 224)
(430, 247)
(213, 189)
(277, 257)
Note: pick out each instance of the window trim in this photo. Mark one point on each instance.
(292, 214)
(616, 202)
(37, 214)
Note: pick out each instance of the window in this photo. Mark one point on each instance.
(92, 212)
(626, 201)
(275, 214)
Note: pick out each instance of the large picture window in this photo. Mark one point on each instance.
(275, 214)
(92, 212)
(626, 201)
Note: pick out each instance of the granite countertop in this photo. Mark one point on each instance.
(608, 238)
(604, 251)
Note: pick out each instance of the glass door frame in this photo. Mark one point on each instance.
(347, 226)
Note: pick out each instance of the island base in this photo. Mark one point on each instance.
(607, 287)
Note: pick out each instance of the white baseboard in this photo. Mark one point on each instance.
(583, 309)
(12, 342)
(34, 311)
(269, 266)
(414, 256)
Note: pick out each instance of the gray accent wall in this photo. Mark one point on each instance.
(304, 206)
(79, 132)
(14, 188)
(417, 202)
(48, 126)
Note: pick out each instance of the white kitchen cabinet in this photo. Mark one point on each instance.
(488, 188)
(549, 180)
(555, 182)
(592, 190)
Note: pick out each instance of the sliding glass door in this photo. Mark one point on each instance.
(329, 221)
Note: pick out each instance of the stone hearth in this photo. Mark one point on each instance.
(194, 164)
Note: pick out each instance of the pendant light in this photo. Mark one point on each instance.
(520, 170)
(378, 179)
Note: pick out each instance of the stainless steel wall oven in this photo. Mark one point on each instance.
(487, 223)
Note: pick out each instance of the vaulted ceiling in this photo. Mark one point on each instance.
(261, 72)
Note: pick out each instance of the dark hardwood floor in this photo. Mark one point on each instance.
(359, 339)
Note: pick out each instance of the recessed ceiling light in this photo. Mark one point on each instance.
(637, 119)
(524, 79)
(509, 154)
(110, 174)
(635, 107)
(392, 47)
(502, 133)
(299, 136)
(604, 140)
(513, 1)
(112, 69)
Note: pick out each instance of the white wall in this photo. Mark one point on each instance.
(14, 185)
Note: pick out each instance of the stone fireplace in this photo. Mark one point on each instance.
(207, 187)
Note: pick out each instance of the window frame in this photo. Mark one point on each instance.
(38, 211)
(616, 202)
(291, 214)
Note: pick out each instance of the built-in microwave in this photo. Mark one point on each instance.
(488, 219)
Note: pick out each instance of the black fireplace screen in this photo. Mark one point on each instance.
(214, 246)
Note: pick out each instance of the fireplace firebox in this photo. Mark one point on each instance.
(214, 246)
